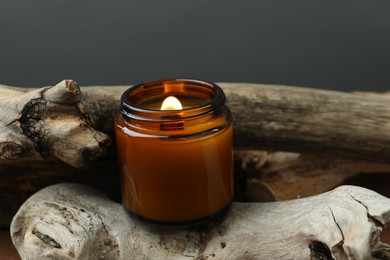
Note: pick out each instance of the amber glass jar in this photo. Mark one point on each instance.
(176, 162)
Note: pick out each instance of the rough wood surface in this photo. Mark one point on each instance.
(270, 176)
(70, 221)
(285, 118)
(340, 135)
(48, 121)
(261, 176)
(281, 118)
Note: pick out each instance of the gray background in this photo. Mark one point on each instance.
(343, 45)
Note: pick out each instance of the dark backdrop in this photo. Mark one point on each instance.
(342, 45)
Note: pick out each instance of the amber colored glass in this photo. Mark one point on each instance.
(176, 165)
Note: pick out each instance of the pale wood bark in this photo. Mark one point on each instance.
(268, 117)
(71, 221)
(285, 118)
(340, 126)
(259, 176)
(271, 176)
(48, 121)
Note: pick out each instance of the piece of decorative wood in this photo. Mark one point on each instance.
(259, 176)
(266, 117)
(270, 176)
(281, 175)
(48, 121)
(285, 118)
(71, 221)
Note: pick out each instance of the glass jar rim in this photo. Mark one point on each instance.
(215, 99)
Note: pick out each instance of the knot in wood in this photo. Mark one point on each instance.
(11, 150)
(31, 125)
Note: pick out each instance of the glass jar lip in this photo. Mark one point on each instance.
(137, 112)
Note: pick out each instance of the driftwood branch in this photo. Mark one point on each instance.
(48, 121)
(71, 221)
(266, 117)
(259, 176)
(339, 135)
(294, 119)
(270, 176)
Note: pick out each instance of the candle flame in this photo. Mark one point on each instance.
(171, 103)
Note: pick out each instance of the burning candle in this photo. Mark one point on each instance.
(174, 140)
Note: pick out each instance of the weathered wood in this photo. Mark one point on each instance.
(20, 180)
(285, 118)
(280, 176)
(282, 118)
(48, 121)
(70, 221)
(259, 176)
(43, 122)
(310, 121)
(270, 176)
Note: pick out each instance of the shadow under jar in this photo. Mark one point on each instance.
(176, 159)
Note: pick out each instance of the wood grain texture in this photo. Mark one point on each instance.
(285, 118)
(332, 135)
(338, 134)
(270, 176)
(48, 122)
(70, 221)
(310, 121)
(281, 118)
